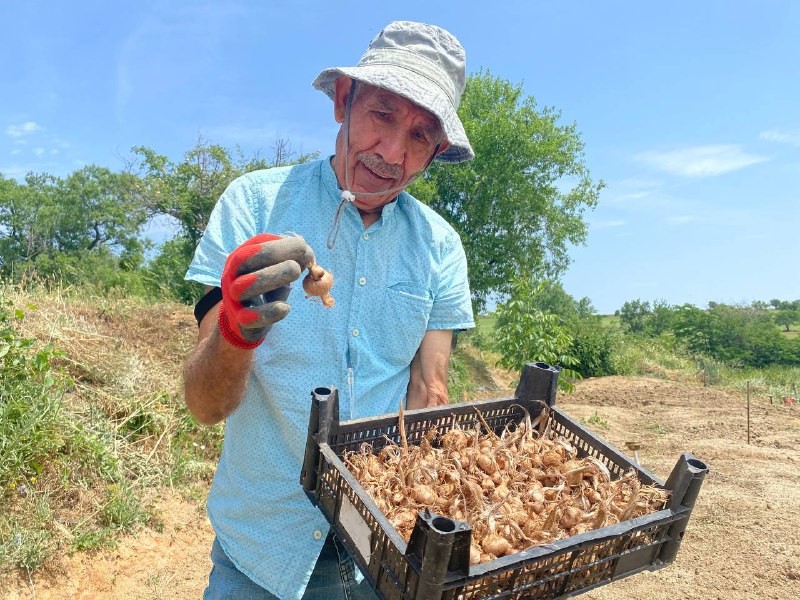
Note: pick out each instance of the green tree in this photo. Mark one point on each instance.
(520, 203)
(98, 208)
(187, 191)
(73, 229)
(524, 333)
(787, 318)
(585, 308)
(733, 334)
(660, 319)
(552, 298)
(634, 314)
(28, 220)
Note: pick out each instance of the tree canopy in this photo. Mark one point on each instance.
(520, 203)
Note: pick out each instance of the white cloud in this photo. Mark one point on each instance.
(38, 151)
(22, 129)
(16, 151)
(701, 161)
(784, 137)
(630, 189)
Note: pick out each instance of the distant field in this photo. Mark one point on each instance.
(485, 325)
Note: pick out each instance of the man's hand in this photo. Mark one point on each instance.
(255, 285)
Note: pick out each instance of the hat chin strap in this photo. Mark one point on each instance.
(349, 196)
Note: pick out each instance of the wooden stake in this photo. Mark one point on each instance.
(748, 412)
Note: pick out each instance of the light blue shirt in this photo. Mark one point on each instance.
(403, 275)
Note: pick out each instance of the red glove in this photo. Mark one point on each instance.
(255, 284)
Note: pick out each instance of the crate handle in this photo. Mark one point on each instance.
(438, 549)
(323, 423)
(684, 483)
(538, 382)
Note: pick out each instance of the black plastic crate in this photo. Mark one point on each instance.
(434, 564)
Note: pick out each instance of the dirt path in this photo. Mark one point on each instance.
(743, 539)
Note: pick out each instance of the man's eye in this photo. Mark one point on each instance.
(384, 116)
(420, 136)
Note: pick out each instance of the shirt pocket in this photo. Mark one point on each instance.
(403, 321)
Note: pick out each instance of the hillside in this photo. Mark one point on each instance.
(742, 540)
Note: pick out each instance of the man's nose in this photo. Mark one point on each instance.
(392, 149)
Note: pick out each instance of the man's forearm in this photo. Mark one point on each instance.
(215, 378)
(427, 385)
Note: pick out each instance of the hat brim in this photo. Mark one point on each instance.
(415, 87)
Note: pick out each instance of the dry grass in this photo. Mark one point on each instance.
(125, 430)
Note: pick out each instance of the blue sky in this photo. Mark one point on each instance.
(690, 111)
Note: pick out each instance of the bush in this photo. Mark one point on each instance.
(31, 424)
(524, 333)
(167, 269)
(95, 272)
(593, 347)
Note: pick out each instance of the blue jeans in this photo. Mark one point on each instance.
(332, 579)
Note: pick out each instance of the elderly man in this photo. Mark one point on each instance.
(401, 289)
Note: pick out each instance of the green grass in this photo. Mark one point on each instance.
(91, 425)
(485, 326)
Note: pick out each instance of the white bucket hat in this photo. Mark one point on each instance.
(423, 63)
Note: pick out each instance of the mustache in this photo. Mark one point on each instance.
(377, 165)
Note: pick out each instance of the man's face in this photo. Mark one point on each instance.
(391, 141)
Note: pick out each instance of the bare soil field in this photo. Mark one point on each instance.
(743, 540)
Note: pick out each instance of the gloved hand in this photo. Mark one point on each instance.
(255, 285)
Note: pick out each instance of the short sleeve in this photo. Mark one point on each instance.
(452, 306)
(232, 222)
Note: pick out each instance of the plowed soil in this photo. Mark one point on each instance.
(743, 539)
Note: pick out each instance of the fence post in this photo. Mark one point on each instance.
(748, 412)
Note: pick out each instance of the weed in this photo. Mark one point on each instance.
(157, 584)
(28, 540)
(92, 539)
(658, 428)
(595, 420)
(122, 509)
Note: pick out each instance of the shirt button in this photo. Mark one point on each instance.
(317, 535)
(362, 281)
(355, 332)
(364, 236)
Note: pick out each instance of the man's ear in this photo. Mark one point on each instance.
(341, 92)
